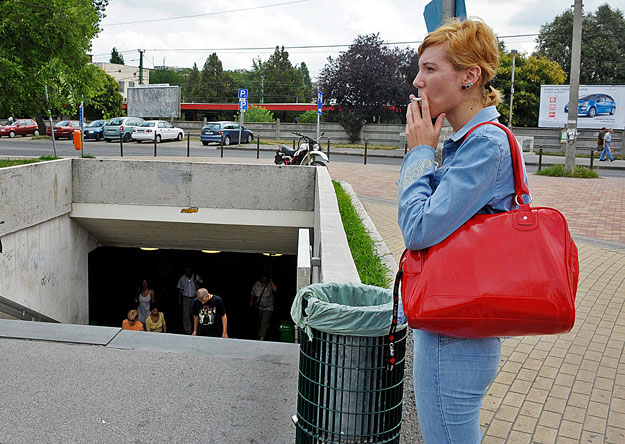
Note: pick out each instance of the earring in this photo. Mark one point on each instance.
(468, 85)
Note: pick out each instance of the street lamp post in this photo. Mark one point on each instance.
(512, 88)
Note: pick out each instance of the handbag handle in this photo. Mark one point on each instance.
(520, 187)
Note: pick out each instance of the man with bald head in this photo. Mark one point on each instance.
(209, 315)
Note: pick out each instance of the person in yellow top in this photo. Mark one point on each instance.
(132, 323)
(155, 321)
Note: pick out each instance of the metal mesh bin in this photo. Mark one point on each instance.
(345, 392)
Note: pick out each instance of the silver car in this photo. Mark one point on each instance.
(121, 127)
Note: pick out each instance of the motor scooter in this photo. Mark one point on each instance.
(308, 152)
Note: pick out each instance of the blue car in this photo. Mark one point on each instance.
(95, 130)
(214, 131)
(594, 104)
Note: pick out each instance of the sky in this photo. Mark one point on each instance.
(186, 31)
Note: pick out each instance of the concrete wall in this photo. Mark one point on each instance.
(198, 184)
(43, 264)
(330, 243)
(44, 267)
(31, 194)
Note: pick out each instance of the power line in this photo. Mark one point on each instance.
(270, 48)
(182, 17)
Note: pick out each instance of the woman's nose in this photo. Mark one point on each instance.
(417, 81)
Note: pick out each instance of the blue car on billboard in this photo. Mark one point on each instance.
(214, 131)
(594, 104)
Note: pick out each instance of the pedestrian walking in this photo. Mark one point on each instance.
(607, 142)
(456, 63)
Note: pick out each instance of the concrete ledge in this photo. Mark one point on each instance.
(274, 352)
(42, 331)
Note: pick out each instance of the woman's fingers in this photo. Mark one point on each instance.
(425, 106)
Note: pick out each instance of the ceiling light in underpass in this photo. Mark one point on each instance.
(211, 251)
(149, 248)
(272, 254)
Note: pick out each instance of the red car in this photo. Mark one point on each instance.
(21, 127)
(65, 128)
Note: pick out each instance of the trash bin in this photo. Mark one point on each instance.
(346, 394)
(77, 140)
(287, 331)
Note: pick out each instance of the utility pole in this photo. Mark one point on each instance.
(262, 90)
(141, 51)
(512, 88)
(576, 50)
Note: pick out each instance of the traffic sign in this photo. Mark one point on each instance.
(319, 102)
(242, 93)
(243, 104)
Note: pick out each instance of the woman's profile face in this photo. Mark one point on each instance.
(439, 79)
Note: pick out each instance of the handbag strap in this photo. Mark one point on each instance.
(390, 359)
(520, 187)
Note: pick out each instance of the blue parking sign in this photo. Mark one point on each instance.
(242, 104)
(319, 102)
(242, 93)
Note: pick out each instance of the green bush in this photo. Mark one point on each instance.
(368, 263)
(352, 123)
(560, 171)
(256, 114)
(309, 116)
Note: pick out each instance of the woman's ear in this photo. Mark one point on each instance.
(472, 75)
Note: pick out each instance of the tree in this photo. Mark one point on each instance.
(529, 74)
(369, 82)
(116, 57)
(44, 43)
(278, 81)
(168, 76)
(107, 101)
(603, 45)
(214, 85)
(191, 90)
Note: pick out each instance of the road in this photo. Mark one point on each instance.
(25, 146)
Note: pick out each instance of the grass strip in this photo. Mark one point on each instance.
(13, 162)
(368, 262)
(560, 171)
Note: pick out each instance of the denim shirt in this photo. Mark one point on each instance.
(475, 177)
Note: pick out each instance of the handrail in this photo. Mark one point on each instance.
(21, 312)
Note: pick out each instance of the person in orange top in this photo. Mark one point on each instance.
(131, 323)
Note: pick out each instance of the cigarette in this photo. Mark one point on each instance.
(415, 99)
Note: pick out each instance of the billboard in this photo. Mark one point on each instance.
(598, 106)
(157, 101)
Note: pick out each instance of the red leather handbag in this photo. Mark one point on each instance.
(507, 274)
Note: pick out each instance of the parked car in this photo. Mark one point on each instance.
(121, 127)
(594, 104)
(159, 129)
(95, 130)
(20, 127)
(65, 128)
(213, 131)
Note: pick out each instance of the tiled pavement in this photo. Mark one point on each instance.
(561, 389)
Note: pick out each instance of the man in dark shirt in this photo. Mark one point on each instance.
(209, 315)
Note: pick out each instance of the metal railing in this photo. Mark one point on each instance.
(18, 311)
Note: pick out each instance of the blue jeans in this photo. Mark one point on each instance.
(451, 376)
(606, 152)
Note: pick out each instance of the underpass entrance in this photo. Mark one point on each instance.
(115, 276)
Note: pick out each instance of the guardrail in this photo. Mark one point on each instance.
(18, 311)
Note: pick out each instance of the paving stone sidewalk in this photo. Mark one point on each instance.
(550, 389)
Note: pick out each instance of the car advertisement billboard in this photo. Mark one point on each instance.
(598, 106)
(157, 101)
